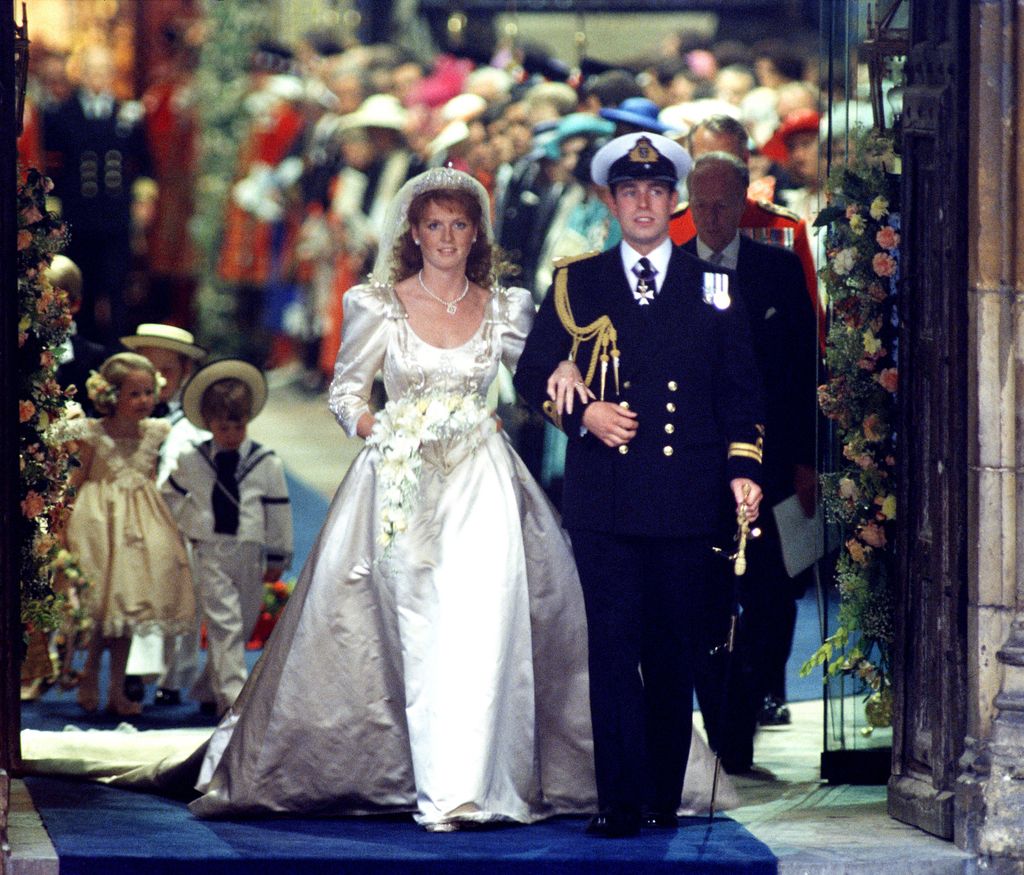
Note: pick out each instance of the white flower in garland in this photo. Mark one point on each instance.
(399, 432)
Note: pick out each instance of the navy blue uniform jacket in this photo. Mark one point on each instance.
(686, 368)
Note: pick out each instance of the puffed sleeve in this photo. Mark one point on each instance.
(518, 317)
(369, 315)
(155, 432)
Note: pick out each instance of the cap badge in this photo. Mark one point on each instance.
(644, 152)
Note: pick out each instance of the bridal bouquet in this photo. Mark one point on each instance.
(399, 433)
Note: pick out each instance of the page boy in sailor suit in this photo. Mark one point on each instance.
(650, 463)
(230, 498)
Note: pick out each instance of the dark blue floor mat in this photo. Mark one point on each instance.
(100, 830)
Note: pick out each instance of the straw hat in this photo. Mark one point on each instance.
(151, 335)
(223, 369)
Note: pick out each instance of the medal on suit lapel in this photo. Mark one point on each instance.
(716, 290)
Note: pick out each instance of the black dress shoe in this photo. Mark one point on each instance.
(208, 709)
(614, 825)
(738, 766)
(660, 820)
(164, 696)
(774, 713)
(134, 688)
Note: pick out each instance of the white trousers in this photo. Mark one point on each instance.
(229, 580)
(181, 652)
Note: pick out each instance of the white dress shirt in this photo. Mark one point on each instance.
(659, 259)
(730, 255)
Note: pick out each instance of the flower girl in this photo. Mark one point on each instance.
(127, 542)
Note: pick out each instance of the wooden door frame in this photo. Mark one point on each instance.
(10, 614)
(932, 600)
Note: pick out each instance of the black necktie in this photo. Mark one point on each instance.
(646, 288)
(225, 493)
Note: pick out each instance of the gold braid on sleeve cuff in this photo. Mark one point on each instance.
(738, 449)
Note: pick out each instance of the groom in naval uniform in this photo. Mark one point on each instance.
(674, 426)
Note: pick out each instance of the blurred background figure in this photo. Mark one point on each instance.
(97, 155)
(172, 137)
(260, 215)
(79, 355)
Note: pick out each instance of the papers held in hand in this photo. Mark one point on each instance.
(802, 538)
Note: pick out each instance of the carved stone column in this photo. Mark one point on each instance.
(990, 791)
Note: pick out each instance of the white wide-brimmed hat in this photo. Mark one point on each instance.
(377, 111)
(451, 134)
(223, 369)
(151, 335)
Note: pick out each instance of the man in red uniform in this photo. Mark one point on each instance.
(260, 220)
(761, 220)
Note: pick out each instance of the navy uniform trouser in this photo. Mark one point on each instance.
(645, 599)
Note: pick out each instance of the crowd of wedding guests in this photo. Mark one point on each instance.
(332, 133)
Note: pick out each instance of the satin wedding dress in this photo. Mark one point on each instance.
(447, 675)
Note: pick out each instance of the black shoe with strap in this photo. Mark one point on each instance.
(655, 819)
(165, 696)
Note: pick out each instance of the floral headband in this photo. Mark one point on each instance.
(104, 394)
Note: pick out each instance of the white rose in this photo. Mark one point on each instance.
(844, 261)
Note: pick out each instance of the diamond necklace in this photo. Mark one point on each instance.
(450, 306)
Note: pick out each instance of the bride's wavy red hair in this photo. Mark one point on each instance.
(409, 259)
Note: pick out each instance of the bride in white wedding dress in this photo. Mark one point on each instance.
(443, 673)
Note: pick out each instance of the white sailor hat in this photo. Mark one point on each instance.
(640, 155)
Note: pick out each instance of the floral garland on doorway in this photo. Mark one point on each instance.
(861, 276)
(43, 323)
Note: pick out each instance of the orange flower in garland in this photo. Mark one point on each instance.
(43, 323)
(861, 277)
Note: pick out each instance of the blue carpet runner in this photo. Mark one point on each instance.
(99, 830)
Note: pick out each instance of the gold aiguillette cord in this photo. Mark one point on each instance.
(601, 331)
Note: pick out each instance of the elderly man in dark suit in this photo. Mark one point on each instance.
(769, 281)
(649, 465)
